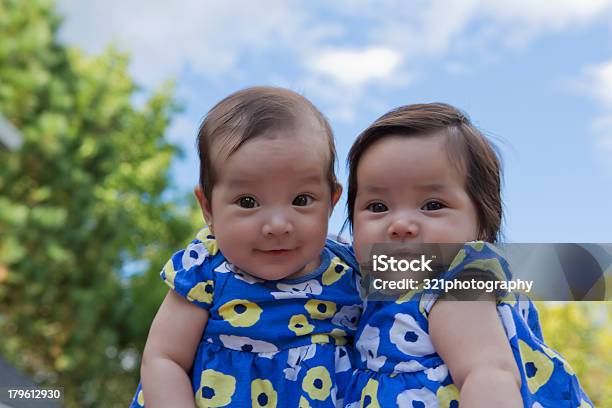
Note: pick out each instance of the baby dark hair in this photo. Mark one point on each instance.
(468, 149)
(247, 114)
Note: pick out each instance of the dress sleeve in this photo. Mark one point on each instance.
(479, 260)
(344, 251)
(190, 271)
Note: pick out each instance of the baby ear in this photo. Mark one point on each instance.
(205, 205)
(336, 194)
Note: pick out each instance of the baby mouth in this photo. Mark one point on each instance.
(275, 251)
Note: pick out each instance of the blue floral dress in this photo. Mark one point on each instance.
(398, 366)
(268, 343)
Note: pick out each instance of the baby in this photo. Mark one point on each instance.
(262, 306)
(423, 174)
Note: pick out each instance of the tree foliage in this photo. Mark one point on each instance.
(581, 332)
(85, 197)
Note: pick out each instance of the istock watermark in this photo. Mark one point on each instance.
(557, 272)
(383, 263)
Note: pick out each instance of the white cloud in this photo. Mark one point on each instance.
(208, 37)
(440, 27)
(546, 13)
(334, 54)
(356, 67)
(596, 79)
(212, 36)
(522, 20)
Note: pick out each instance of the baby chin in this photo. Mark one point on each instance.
(279, 263)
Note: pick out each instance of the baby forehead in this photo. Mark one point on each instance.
(309, 139)
(416, 155)
(269, 157)
(273, 174)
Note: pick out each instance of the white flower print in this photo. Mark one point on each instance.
(297, 290)
(194, 255)
(368, 347)
(247, 344)
(295, 356)
(408, 336)
(347, 316)
(409, 397)
(343, 362)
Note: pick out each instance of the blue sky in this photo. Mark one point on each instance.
(536, 76)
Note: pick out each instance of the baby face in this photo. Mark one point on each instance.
(409, 192)
(271, 203)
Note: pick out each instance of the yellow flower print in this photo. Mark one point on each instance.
(407, 297)
(334, 271)
(317, 383)
(299, 325)
(202, 292)
(240, 313)
(339, 336)
(208, 239)
(553, 354)
(140, 398)
(263, 394)
(320, 309)
(538, 367)
(477, 245)
(169, 273)
(304, 403)
(458, 259)
(509, 300)
(448, 396)
(320, 338)
(369, 397)
(216, 389)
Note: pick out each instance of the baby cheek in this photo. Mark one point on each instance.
(315, 225)
(235, 247)
(362, 237)
(370, 230)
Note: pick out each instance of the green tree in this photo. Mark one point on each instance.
(581, 332)
(86, 196)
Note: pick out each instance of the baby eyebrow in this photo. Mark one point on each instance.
(374, 189)
(240, 182)
(311, 179)
(247, 181)
(435, 187)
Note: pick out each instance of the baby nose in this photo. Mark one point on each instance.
(277, 224)
(403, 229)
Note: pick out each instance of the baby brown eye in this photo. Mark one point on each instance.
(377, 208)
(433, 206)
(302, 200)
(247, 202)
